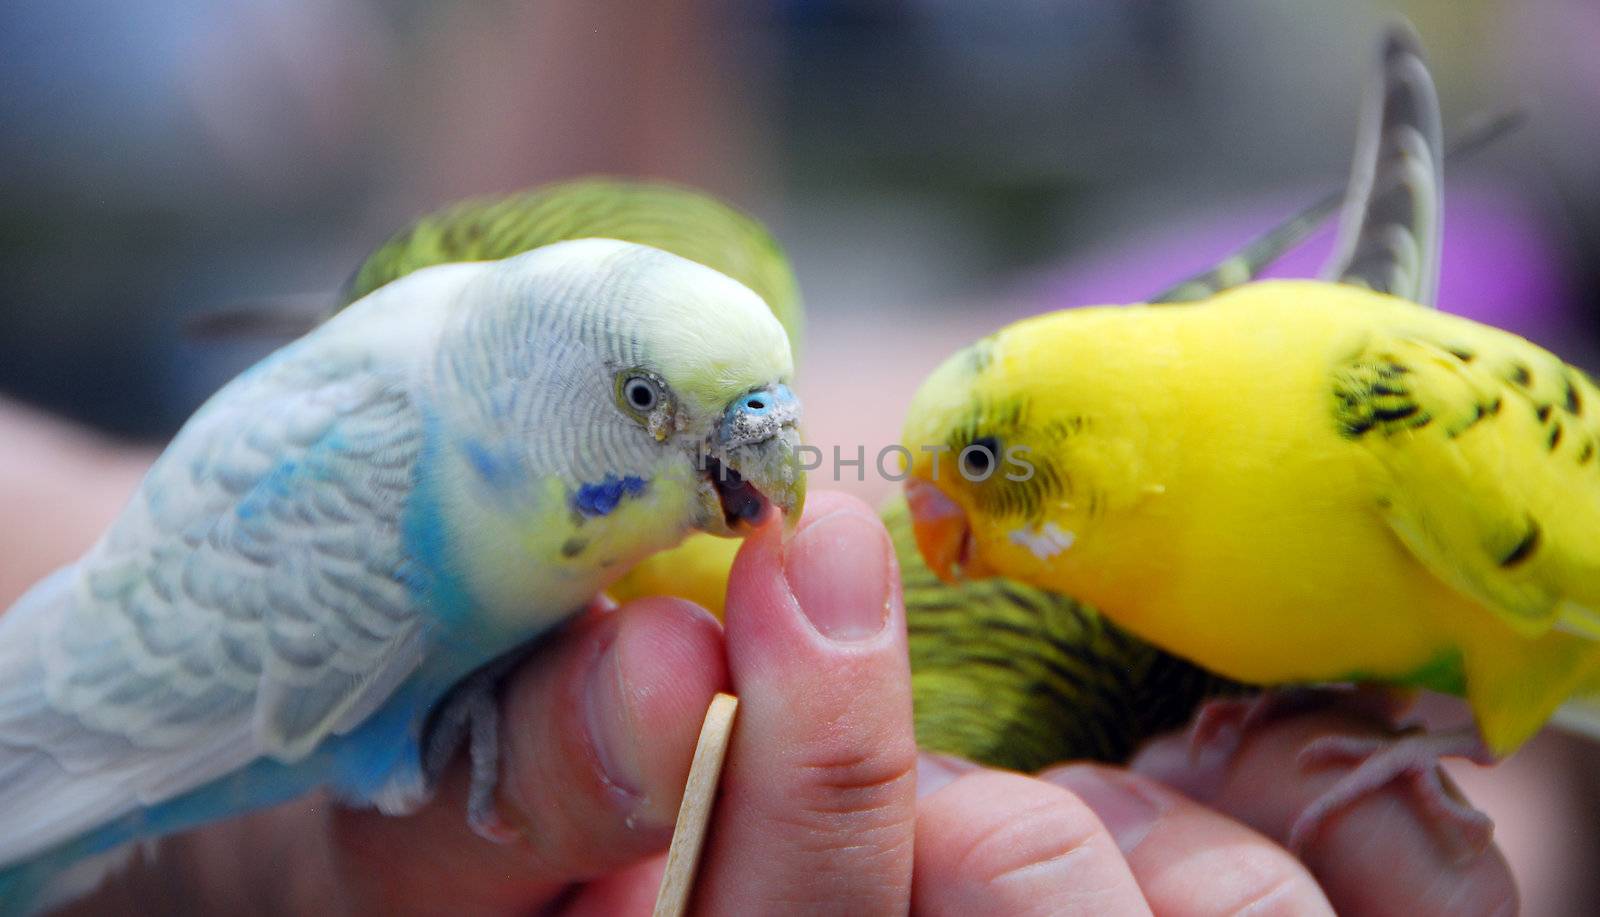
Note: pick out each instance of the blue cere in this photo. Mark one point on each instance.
(600, 499)
(763, 402)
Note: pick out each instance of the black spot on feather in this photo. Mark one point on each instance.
(1372, 394)
(1462, 354)
(1521, 375)
(1525, 547)
(1479, 412)
(1542, 412)
(1398, 413)
(1555, 437)
(1574, 403)
(1586, 453)
(1357, 428)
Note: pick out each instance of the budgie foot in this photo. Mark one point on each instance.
(470, 713)
(1413, 757)
(1222, 724)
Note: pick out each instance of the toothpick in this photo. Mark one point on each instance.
(694, 815)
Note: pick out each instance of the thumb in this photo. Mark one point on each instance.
(597, 730)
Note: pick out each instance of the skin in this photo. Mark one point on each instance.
(825, 805)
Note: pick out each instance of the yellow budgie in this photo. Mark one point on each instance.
(1406, 496)
(1296, 482)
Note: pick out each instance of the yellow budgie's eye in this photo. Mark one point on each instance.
(979, 458)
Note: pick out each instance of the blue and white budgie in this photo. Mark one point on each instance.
(363, 521)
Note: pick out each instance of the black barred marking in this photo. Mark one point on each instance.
(1462, 354)
(1542, 412)
(1080, 687)
(1357, 429)
(1525, 547)
(1007, 430)
(1071, 426)
(1555, 437)
(930, 608)
(1521, 375)
(1496, 404)
(1586, 453)
(1479, 412)
(1373, 394)
(573, 546)
(1399, 413)
(1001, 420)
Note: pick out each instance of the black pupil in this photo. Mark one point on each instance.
(757, 405)
(640, 394)
(980, 455)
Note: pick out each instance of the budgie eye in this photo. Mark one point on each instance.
(978, 458)
(641, 394)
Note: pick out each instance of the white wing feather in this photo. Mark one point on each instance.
(250, 601)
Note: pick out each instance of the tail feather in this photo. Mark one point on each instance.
(1391, 222)
(1393, 214)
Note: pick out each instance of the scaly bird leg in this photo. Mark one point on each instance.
(1220, 728)
(470, 713)
(1413, 757)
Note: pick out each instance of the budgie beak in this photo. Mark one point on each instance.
(943, 533)
(754, 468)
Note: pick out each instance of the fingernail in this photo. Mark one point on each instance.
(611, 733)
(1126, 811)
(838, 570)
(935, 771)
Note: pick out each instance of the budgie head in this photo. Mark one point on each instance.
(596, 401)
(1021, 447)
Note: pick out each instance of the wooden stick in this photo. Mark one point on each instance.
(694, 815)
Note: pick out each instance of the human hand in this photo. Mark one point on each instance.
(1378, 857)
(818, 809)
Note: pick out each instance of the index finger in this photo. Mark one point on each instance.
(1187, 858)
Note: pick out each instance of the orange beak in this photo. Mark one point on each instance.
(943, 534)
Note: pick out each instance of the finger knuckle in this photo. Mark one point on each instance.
(1026, 829)
(848, 782)
(1264, 883)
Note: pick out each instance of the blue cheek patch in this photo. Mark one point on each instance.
(483, 463)
(600, 499)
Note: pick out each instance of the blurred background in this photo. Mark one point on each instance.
(934, 167)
